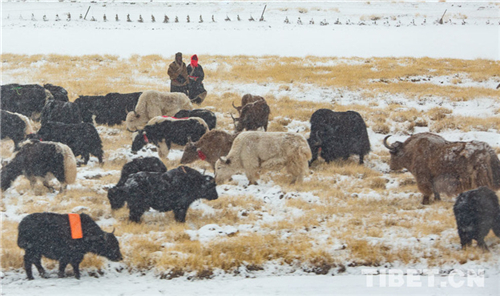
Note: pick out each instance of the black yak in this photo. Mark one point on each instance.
(338, 135)
(52, 236)
(174, 190)
(476, 212)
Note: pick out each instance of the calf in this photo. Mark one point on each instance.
(163, 131)
(476, 212)
(140, 164)
(66, 112)
(41, 160)
(174, 190)
(253, 116)
(252, 151)
(82, 138)
(207, 115)
(52, 236)
(15, 127)
(210, 147)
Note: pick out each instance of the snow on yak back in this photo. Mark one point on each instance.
(440, 166)
(154, 103)
(41, 160)
(165, 131)
(476, 212)
(174, 190)
(140, 164)
(53, 236)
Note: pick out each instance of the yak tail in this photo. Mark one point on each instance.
(69, 164)
(496, 224)
(495, 171)
(11, 171)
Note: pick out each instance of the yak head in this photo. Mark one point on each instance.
(116, 198)
(237, 124)
(135, 121)
(223, 170)
(105, 244)
(398, 158)
(140, 140)
(191, 152)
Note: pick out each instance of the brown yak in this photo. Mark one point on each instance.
(210, 147)
(440, 166)
(247, 99)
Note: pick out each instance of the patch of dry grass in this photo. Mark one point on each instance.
(358, 215)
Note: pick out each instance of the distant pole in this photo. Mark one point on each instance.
(86, 13)
(441, 20)
(262, 16)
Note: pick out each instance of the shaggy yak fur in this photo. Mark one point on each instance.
(477, 211)
(27, 100)
(41, 160)
(207, 115)
(82, 138)
(15, 126)
(210, 147)
(49, 235)
(255, 150)
(174, 190)
(154, 103)
(338, 135)
(140, 164)
(110, 109)
(66, 112)
(58, 92)
(445, 167)
(253, 116)
(163, 131)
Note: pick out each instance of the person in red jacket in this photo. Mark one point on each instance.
(197, 92)
(178, 75)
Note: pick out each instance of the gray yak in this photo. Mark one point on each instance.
(256, 150)
(440, 166)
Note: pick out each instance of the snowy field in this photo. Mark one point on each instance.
(470, 30)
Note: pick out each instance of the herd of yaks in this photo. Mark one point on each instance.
(469, 169)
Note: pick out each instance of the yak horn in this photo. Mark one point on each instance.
(386, 145)
(234, 106)
(130, 130)
(113, 232)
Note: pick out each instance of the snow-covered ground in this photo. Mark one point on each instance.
(367, 29)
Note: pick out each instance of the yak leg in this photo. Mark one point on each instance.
(437, 196)
(252, 176)
(38, 264)
(31, 258)
(163, 149)
(135, 214)
(46, 181)
(314, 151)
(76, 269)
(361, 156)
(425, 186)
(180, 215)
(482, 244)
(86, 157)
(62, 267)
